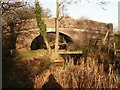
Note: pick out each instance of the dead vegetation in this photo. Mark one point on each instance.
(20, 69)
(32, 70)
(88, 74)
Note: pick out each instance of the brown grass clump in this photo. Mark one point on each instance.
(88, 74)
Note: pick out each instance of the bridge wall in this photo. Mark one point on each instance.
(82, 33)
(79, 36)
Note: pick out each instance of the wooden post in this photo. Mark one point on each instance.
(110, 27)
(106, 36)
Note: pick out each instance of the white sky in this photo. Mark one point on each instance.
(95, 12)
(90, 10)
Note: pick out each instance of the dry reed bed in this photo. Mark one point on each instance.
(89, 74)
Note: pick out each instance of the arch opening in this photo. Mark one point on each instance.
(38, 42)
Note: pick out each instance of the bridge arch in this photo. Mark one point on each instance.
(38, 42)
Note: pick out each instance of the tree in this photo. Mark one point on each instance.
(41, 24)
(10, 18)
(10, 10)
(46, 13)
(61, 10)
(13, 12)
(57, 27)
(20, 10)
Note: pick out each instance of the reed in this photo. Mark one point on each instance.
(89, 74)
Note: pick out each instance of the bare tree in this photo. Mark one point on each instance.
(13, 12)
(61, 10)
(10, 11)
(20, 10)
(12, 6)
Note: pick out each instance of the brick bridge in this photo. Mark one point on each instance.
(29, 36)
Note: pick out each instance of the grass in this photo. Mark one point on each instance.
(25, 69)
(20, 69)
(90, 73)
(118, 43)
(89, 48)
(29, 54)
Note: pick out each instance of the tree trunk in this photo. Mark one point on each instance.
(47, 45)
(57, 28)
(41, 25)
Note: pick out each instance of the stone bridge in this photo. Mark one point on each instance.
(81, 37)
(29, 36)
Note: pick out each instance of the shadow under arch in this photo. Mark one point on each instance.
(38, 42)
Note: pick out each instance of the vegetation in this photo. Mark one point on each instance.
(21, 10)
(88, 74)
(20, 69)
(41, 25)
(32, 68)
(96, 68)
(13, 13)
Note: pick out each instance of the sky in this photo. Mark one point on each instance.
(90, 10)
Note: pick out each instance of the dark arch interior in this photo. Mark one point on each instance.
(66, 37)
(38, 42)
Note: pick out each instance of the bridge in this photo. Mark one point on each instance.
(28, 36)
(78, 36)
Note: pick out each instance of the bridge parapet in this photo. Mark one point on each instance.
(81, 32)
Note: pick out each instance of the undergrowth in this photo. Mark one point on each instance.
(22, 67)
(96, 71)
(89, 74)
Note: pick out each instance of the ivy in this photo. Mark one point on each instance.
(40, 21)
